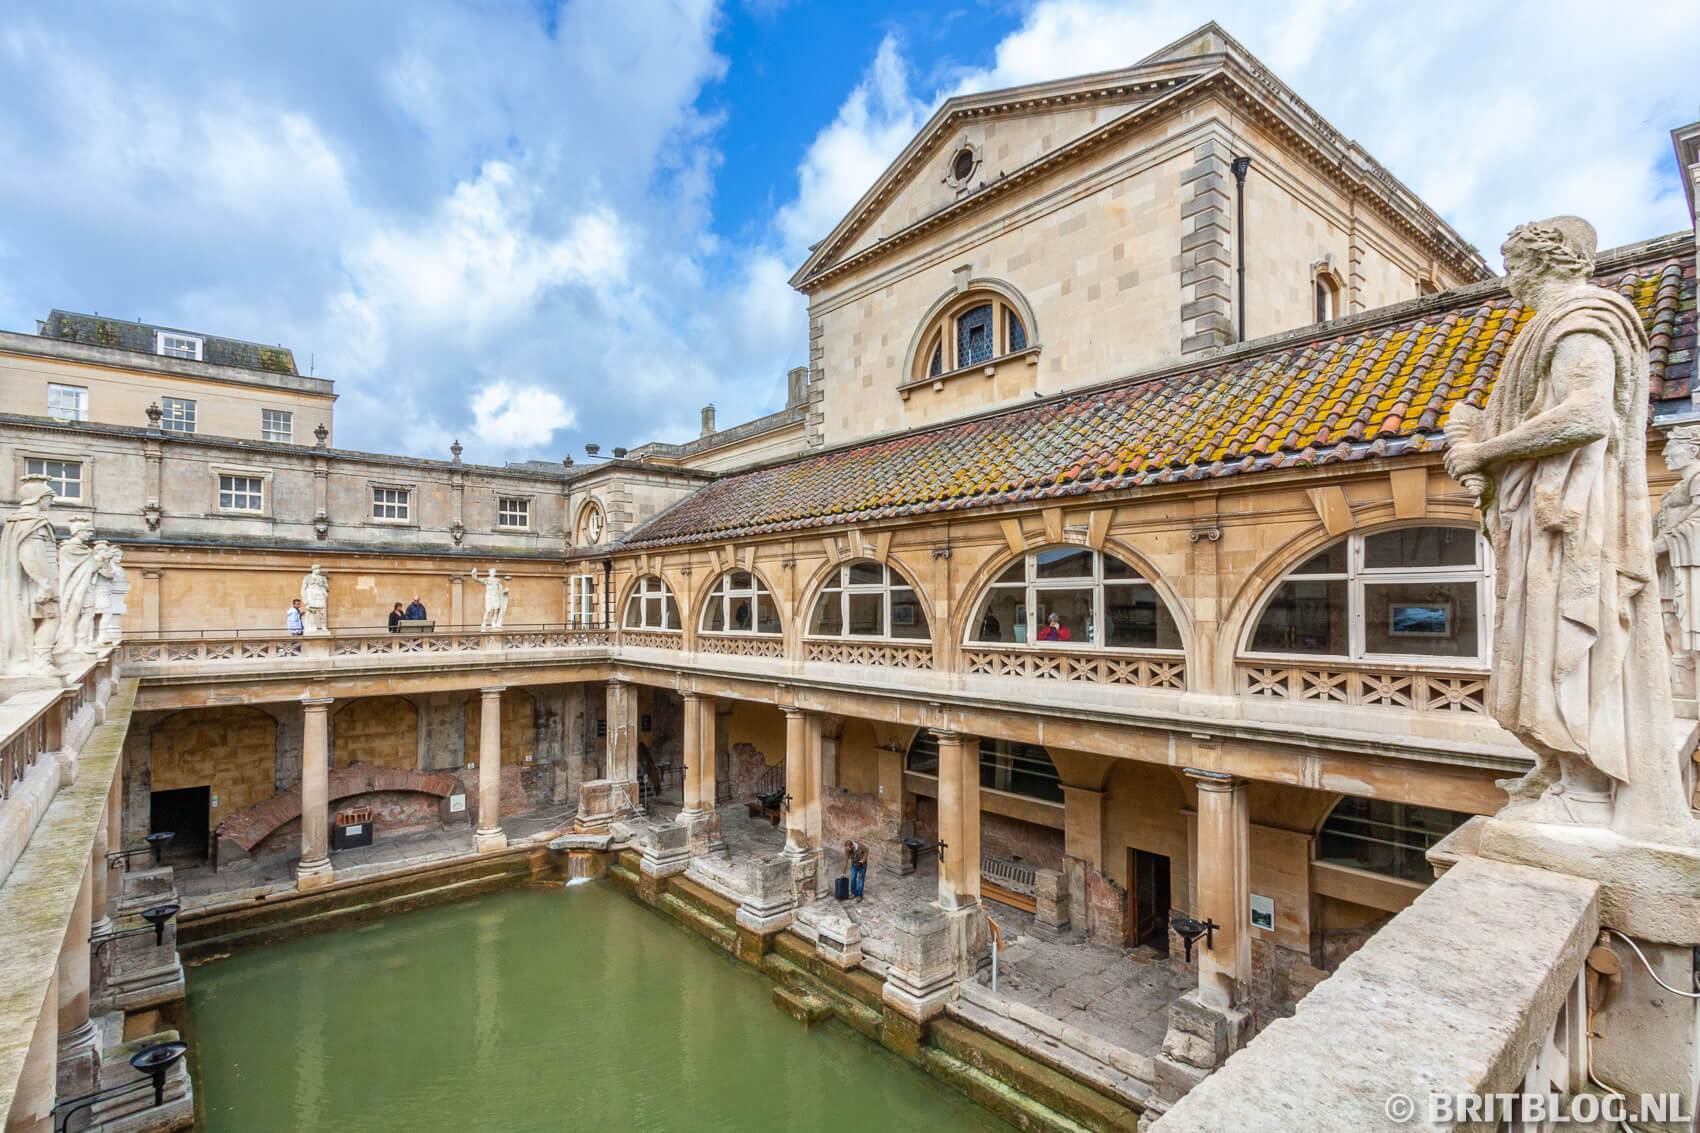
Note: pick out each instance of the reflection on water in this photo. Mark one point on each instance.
(540, 1009)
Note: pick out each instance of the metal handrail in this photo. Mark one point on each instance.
(353, 631)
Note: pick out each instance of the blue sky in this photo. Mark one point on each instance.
(533, 225)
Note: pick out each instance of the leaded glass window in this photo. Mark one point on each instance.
(974, 336)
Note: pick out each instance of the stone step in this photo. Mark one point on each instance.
(802, 1005)
(694, 918)
(856, 984)
(984, 1048)
(1010, 1104)
(703, 898)
(851, 1009)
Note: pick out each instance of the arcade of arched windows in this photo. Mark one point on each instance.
(1391, 617)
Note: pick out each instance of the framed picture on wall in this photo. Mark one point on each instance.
(1420, 619)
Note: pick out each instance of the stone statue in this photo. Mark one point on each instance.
(29, 584)
(1558, 461)
(495, 600)
(111, 585)
(1676, 543)
(76, 574)
(316, 598)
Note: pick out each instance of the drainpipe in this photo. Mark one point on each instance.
(608, 594)
(1240, 165)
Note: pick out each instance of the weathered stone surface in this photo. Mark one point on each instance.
(919, 981)
(839, 941)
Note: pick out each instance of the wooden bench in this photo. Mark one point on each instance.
(1009, 883)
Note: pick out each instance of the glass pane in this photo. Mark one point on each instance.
(907, 620)
(1017, 332)
(767, 615)
(1304, 617)
(1002, 616)
(1385, 837)
(828, 619)
(974, 336)
(1332, 560)
(1064, 562)
(1434, 619)
(741, 615)
(741, 580)
(673, 621)
(714, 618)
(652, 612)
(634, 612)
(923, 753)
(1115, 568)
(1137, 618)
(1416, 547)
(867, 574)
(867, 614)
(1073, 611)
(1015, 572)
(1020, 769)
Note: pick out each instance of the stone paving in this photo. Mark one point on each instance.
(201, 885)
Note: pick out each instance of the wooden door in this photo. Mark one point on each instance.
(1148, 899)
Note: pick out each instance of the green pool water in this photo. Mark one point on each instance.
(537, 1009)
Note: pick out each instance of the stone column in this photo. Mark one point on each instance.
(489, 836)
(313, 871)
(895, 858)
(802, 809)
(100, 922)
(701, 757)
(1224, 888)
(1083, 850)
(622, 735)
(692, 753)
(32, 1099)
(79, 1046)
(457, 601)
(959, 820)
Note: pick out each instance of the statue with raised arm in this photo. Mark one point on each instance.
(29, 584)
(76, 574)
(316, 598)
(495, 600)
(1558, 460)
(1676, 545)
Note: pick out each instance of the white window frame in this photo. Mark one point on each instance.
(58, 496)
(401, 498)
(842, 588)
(1357, 577)
(77, 395)
(1032, 585)
(582, 612)
(283, 436)
(233, 486)
(506, 503)
(178, 414)
(725, 593)
(649, 587)
(169, 343)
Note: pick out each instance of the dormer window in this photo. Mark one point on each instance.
(178, 345)
(975, 328)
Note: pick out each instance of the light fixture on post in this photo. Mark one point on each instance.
(156, 916)
(1190, 929)
(154, 1060)
(156, 843)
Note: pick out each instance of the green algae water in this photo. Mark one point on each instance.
(537, 1009)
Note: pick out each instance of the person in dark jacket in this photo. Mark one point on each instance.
(856, 865)
(415, 610)
(396, 615)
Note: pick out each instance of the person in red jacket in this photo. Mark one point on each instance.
(1054, 630)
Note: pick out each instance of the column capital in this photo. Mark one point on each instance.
(1213, 780)
(792, 712)
(692, 697)
(317, 701)
(949, 737)
(493, 690)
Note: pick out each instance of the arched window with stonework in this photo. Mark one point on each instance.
(651, 606)
(1097, 601)
(868, 600)
(740, 603)
(984, 324)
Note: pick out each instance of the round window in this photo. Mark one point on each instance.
(962, 166)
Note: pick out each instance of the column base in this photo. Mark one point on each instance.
(805, 874)
(489, 841)
(689, 815)
(1200, 1038)
(311, 875)
(79, 1061)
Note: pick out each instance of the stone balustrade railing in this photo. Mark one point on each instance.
(26, 737)
(1140, 670)
(1377, 686)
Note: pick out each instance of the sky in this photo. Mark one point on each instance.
(532, 226)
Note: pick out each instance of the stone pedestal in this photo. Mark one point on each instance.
(704, 832)
(142, 974)
(839, 942)
(144, 888)
(922, 976)
(805, 874)
(601, 803)
(1050, 896)
(970, 941)
(664, 850)
(770, 907)
(1200, 1038)
(895, 860)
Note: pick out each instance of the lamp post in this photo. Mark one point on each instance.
(156, 916)
(156, 843)
(153, 1060)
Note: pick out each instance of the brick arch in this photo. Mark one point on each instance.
(519, 725)
(232, 750)
(382, 731)
(250, 827)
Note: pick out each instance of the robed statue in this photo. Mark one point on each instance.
(29, 584)
(1558, 461)
(1676, 543)
(495, 600)
(76, 577)
(316, 598)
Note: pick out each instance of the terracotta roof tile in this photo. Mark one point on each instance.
(1383, 390)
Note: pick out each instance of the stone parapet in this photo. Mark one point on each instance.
(922, 975)
(1050, 898)
(771, 902)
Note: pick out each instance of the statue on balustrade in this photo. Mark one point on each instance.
(1557, 460)
(76, 573)
(29, 584)
(495, 600)
(104, 595)
(316, 598)
(1676, 543)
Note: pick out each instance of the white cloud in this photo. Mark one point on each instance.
(508, 416)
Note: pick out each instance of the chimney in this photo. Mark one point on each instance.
(707, 420)
(796, 387)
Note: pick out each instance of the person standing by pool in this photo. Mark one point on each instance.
(856, 865)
